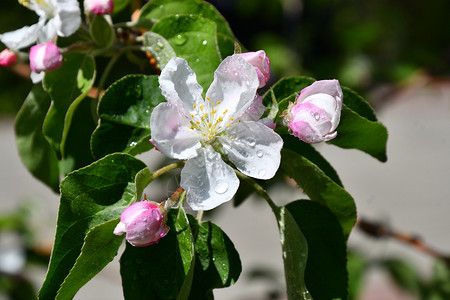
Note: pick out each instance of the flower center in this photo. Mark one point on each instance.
(207, 121)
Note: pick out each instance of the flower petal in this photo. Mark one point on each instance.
(171, 134)
(235, 84)
(70, 18)
(20, 38)
(253, 148)
(179, 85)
(208, 180)
(254, 111)
(330, 87)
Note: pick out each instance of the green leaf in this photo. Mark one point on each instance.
(157, 9)
(404, 275)
(327, 251)
(308, 151)
(319, 187)
(77, 152)
(119, 5)
(34, 150)
(163, 270)
(217, 262)
(194, 39)
(277, 98)
(90, 196)
(159, 47)
(67, 86)
(99, 248)
(356, 267)
(124, 112)
(101, 31)
(358, 104)
(360, 133)
(295, 254)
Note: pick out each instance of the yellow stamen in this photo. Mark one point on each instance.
(197, 122)
(207, 98)
(213, 112)
(194, 106)
(232, 119)
(225, 111)
(24, 2)
(203, 134)
(192, 116)
(191, 127)
(201, 107)
(211, 136)
(218, 102)
(228, 125)
(231, 137)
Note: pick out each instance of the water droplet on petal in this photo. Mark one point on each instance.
(251, 141)
(316, 116)
(221, 187)
(259, 153)
(262, 172)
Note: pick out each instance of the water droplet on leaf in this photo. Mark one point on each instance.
(180, 39)
(205, 42)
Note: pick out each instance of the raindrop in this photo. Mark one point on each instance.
(316, 116)
(221, 187)
(205, 42)
(180, 39)
(160, 45)
(262, 172)
(251, 141)
(253, 168)
(259, 153)
(235, 73)
(132, 144)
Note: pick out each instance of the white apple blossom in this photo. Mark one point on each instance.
(207, 132)
(56, 18)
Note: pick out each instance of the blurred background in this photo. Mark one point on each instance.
(394, 53)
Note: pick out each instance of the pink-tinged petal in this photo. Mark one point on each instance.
(268, 122)
(253, 148)
(171, 134)
(45, 57)
(261, 63)
(179, 85)
(235, 84)
(143, 222)
(255, 110)
(208, 180)
(8, 58)
(99, 7)
(330, 87)
(310, 123)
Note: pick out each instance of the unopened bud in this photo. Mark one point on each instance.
(45, 57)
(99, 7)
(7, 58)
(144, 223)
(261, 63)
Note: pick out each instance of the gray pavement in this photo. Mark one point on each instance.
(411, 193)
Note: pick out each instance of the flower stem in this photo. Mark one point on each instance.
(260, 190)
(199, 216)
(166, 169)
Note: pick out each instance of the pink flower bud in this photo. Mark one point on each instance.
(143, 222)
(317, 112)
(7, 58)
(45, 57)
(99, 7)
(261, 63)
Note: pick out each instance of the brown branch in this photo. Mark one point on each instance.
(378, 230)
